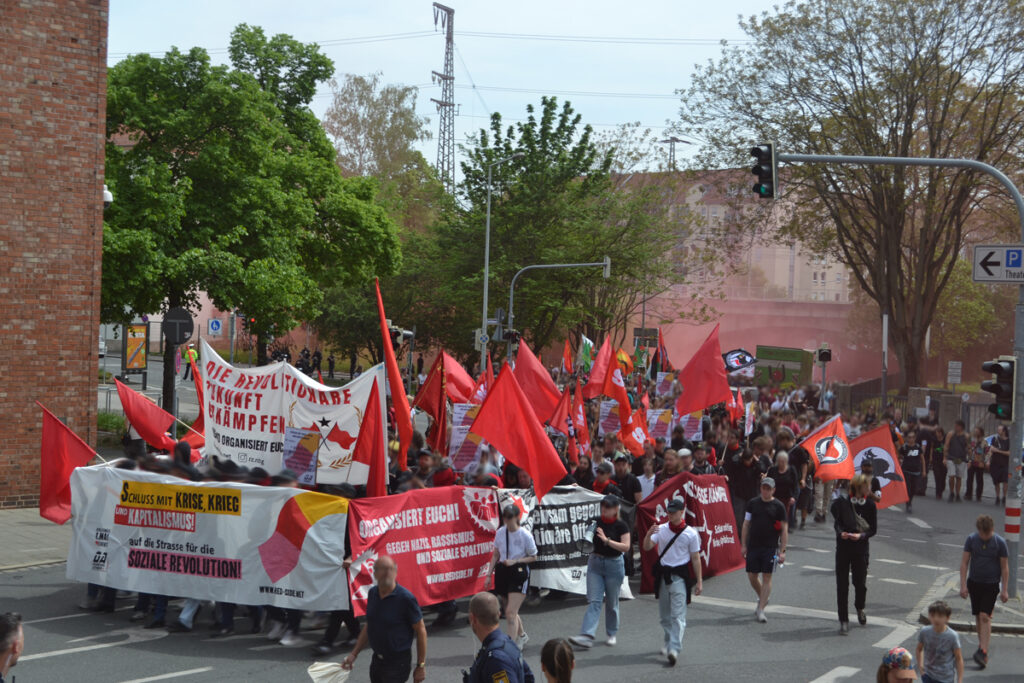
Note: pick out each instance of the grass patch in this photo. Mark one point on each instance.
(110, 422)
(106, 377)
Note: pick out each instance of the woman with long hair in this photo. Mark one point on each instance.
(584, 472)
(557, 661)
(514, 551)
(856, 520)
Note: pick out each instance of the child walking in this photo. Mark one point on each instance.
(938, 648)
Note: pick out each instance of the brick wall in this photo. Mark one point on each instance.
(52, 111)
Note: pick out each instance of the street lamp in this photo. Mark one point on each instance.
(487, 258)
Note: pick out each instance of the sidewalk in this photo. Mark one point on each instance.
(1007, 618)
(29, 540)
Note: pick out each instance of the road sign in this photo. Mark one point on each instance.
(214, 327)
(177, 326)
(135, 341)
(645, 336)
(998, 263)
(954, 372)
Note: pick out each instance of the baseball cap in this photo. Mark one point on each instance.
(610, 501)
(676, 505)
(901, 661)
(605, 467)
(622, 457)
(768, 481)
(683, 452)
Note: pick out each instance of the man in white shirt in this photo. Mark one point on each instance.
(678, 546)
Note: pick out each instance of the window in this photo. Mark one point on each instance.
(814, 276)
(839, 277)
(837, 296)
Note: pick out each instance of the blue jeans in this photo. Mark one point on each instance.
(188, 611)
(672, 609)
(604, 581)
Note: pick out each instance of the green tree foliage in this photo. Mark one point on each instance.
(225, 185)
(939, 79)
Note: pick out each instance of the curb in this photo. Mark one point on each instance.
(29, 565)
(969, 627)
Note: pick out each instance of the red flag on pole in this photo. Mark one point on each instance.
(579, 420)
(567, 364)
(507, 421)
(196, 437)
(370, 449)
(484, 383)
(703, 378)
(535, 382)
(62, 451)
(615, 387)
(595, 385)
(877, 447)
(562, 422)
(830, 451)
(150, 420)
(665, 364)
(633, 434)
(400, 402)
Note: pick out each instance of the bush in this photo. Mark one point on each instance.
(110, 422)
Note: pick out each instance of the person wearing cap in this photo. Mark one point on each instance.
(678, 557)
(603, 481)
(514, 551)
(685, 460)
(764, 526)
(897, 665)
(626, 480)
(605, 572)
(701, 464)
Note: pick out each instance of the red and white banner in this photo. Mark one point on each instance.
(441, 539)
(251, 413)
(464, 447)
(660, 423)
(708, 510)
(608, 421)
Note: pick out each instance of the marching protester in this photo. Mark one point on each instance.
(557, 661)
(701, 464)
(677, 561)
(744, 475)
(856, 520)
(999, 463)
(605, 572)
(912, 463)
(956, 459)
(984, 567)
(647, 477)
(12, 642)
(626, 480)
(498, 658)
(514, 550)
(977, 466)
(784, 477)
(584, 473)
(764, 526)
(938, 648)
(393, 620)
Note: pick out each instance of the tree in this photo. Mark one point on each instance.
(883, 77)
(223, 186)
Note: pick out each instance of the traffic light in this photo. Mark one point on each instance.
(766, 169)
(1003, 386)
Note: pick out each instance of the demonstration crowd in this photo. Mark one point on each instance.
(773, 490)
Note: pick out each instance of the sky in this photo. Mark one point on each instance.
(644, 51)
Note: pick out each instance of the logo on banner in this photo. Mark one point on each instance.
(480, 505)
(884, 469)
(822, 447)
(361, 572)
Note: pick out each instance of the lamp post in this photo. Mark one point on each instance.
(487, 258)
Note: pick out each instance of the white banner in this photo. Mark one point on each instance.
(250, 545)
(660, 423)
(693, 428)
(251, 412)
(463, 447)
(663, 387)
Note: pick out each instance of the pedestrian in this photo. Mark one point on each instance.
(856, 520)
(557, 661)
(646, 479)
(12, 642)
(897, 665)
(498, 658)
(626, 480)
(764, 526)
(785, 479)
(744, 474)
(983, 567)
(999, 463)
(938, 648)
(514, 551)
(977, 465)
(912, 463)
(956, 459)
(584, 472)
(189, 356)
(393, 620)
(800, 461)
(605, 571)
(939, 469)
(330, 366)
(677, 563)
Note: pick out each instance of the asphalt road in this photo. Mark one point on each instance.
(912, 561)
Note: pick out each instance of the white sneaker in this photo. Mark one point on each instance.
(582, 641)
(611, 641)
(277, 629)
(761, 618)
(522, 640)
(664, 651)
(290, 639)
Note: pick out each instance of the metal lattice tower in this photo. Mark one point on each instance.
(672, 149)
(446, 105)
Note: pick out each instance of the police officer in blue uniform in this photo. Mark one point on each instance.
(499, 660)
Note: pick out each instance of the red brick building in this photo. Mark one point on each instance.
(53, 76)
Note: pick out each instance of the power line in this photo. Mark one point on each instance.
(465, 68)
(353, 40)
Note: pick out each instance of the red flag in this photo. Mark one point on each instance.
(150, 420)
(624, 361)
(615, 387)
(664, 364)
(320, 376)
(400, 402)
(595, 385)
(634, 434)
(562, 422)
(369, 448)
(877, 447)
(507, 421)
(196, 437)
(567, 364)
(459, 384)
(535, 382)
(62, 451)
(579, 420)
(484, 383)
(432, 398)
(830, 451)
(703, 378)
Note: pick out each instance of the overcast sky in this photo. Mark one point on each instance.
(624, 81)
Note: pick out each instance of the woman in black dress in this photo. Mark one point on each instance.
(856, 520)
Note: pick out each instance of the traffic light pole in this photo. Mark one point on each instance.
(1013, 499)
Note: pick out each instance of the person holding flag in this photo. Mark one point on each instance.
(856, 520)
(831, 457)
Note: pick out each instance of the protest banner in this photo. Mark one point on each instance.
(708, 510)
(248, 412)
(440, 538)
(663, 386)
(693, 428)
(464, 447)
(559, 526)
(609, 422)
(660, 423)
(250, 545)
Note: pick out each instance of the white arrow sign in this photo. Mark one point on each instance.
(998, 263)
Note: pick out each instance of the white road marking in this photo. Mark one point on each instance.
(74, 616)
(173, 674)
(132, 635)
(835, 674)
(899, 581)
(952, 545)
(882, 559)
(913, 540)
(919, 522)
(932, 566)
(261, 648)
(817, 550)
(818, 569)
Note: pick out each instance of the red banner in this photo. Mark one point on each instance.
(708, 510)
(441, 539)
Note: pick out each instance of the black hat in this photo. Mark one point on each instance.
(610, 501)
(676, 505)
(605, 467)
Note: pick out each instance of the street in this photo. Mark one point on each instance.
(913, 561)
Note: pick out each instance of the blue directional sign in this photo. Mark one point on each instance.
(998, 263)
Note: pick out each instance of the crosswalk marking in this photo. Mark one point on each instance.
(931, 566)
(899, 581)
(882, 559)
(919, 522)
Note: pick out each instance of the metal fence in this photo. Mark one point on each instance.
(863, 403)
(977, 415)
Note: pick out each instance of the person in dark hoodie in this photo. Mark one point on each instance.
(744, 474)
